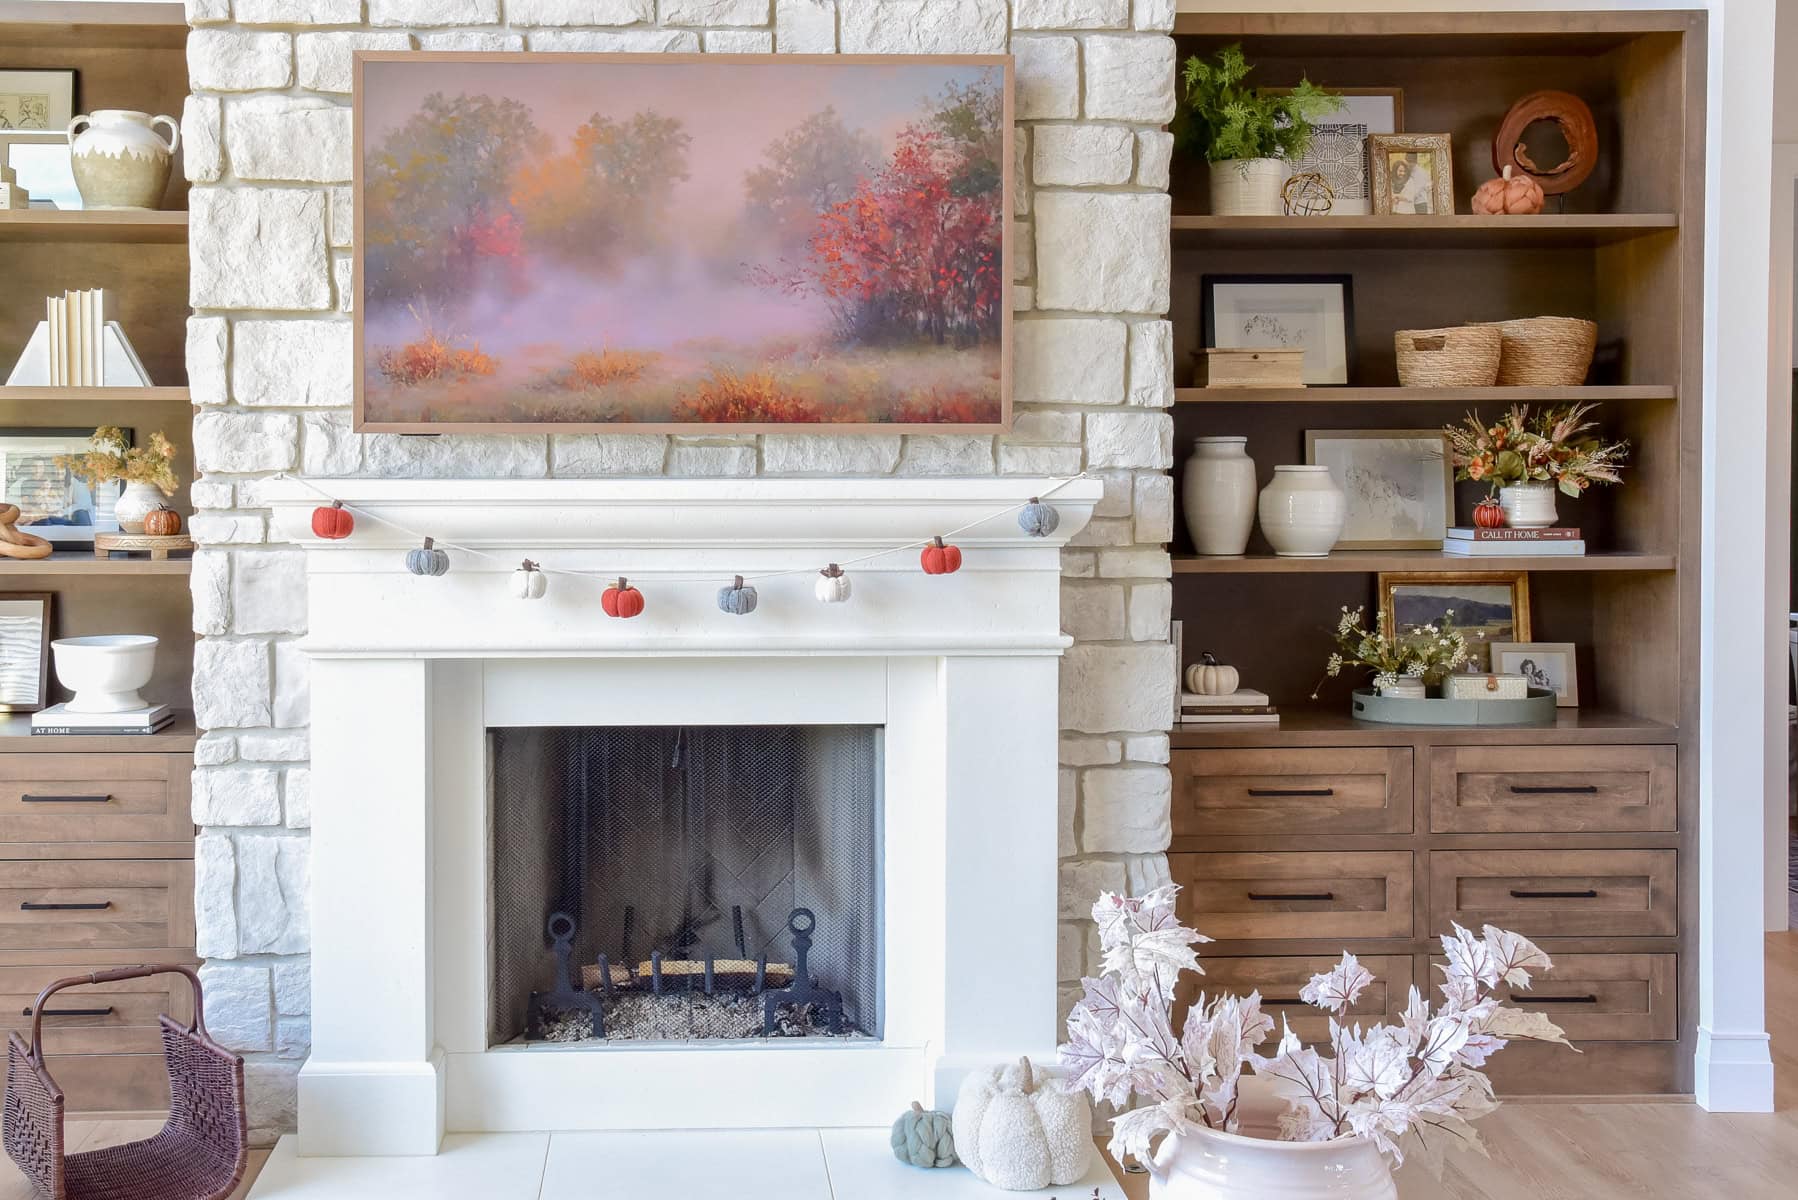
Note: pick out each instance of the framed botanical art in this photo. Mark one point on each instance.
(682, 242)
(36, 99)
(1549, 665)
(54, 503)
(1262, 311)
(1488, 606)
(1399, 483)
(24, 651)
(1411, 174)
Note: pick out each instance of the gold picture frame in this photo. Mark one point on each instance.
(1419, 597)
(1411, 174)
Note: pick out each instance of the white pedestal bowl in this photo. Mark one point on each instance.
(105, 672)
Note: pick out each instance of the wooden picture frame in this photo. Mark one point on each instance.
(1396, 167)
(1336, 369)
(1467, 592)
(19, 611)
(1562, 678)
(71, 440)
(1423, 467)
(923, 393)
(37, 99)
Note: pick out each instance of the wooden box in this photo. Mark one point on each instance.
(1249, 368)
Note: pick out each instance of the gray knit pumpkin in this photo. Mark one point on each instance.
(924, 1137)
(738, 599)
(1038, 519)
(427, 560)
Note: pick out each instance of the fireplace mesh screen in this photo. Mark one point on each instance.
(684, 843)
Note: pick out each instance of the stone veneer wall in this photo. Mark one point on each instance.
(268, 148)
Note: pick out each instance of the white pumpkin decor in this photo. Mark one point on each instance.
(1021, 1131)
(528, 583)
(1208, 677)
(832, 586)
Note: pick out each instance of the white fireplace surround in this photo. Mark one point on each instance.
(409, 672)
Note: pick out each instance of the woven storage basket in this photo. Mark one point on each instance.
(1545, 351)
(1464, 356)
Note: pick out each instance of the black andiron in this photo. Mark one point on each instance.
(565, 996)
(827, 1007)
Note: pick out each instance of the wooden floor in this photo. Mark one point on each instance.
(1545, 1151)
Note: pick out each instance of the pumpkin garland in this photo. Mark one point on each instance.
(622, 600)
(939, 558)
(333, 523)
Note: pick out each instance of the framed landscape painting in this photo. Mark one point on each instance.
(682, 242)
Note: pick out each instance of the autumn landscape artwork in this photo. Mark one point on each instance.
(687, 242)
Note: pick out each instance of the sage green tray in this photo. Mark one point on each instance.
(1537, 709)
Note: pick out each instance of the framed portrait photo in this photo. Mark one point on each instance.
(1411, 174)
(54, 503)
(39, 100)
(1549, 665)
(1259, 312)
(24, 651)
(1399, 482)
(1488, 606)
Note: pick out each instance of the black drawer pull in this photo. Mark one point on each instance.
(1270, 792)
(72, 1012)
(1583, 789)
(1281, 1000)
(1292, 895)
(29, 799)
(94, 906)
(1588, 894)
(1588, 999)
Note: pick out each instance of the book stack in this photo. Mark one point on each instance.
(1558, 541)
(58, 721)
(1242, 707)
(77, 324)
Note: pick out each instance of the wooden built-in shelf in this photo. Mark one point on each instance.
(1334, 727)
(83, 562)
(1457, 231)
(1420, 395)
(177, 737)
(97, 225)
(96, 395)
(1349, 562)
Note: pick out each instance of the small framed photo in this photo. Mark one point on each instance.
(1547, 665)
(42, 166)
(1411, 174)
(1259, 312)
(1400, 485)
(54, 503)
(1338, 149)
(1489, 606)
(39, 100)
(24, 651)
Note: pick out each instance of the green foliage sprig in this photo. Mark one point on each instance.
(1223, 119)
(109, 456)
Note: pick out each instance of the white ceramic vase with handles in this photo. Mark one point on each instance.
(119, 159)
(1217, 495)
(1302, 511)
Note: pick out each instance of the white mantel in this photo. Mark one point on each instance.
(409, 672)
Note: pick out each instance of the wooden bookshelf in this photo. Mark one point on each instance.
(83, 562)
(1422, 395)
(39, 226)
(72, 397)
(1458, 231)
(1349, 562)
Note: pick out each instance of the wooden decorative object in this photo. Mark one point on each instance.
(1270, 367)
(158, 547)
(1577, 126)
(1308, 195)
(14, 544)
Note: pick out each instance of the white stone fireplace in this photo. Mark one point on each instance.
(409, 674)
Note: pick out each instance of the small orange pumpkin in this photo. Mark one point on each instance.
(939, 558)
(1509, 195)
(162, 521)
(334, 522)
(621, 600)
(1489, 514)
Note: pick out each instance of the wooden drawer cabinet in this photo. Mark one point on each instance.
(107, 1018)
(1293, 895)
(1292, 791)
(1279, 980)
(1553, 789)
(1556, 893)
(1606, 997)
(96, 903)
(95, 797)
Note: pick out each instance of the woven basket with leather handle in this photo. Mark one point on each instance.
(1463, 356)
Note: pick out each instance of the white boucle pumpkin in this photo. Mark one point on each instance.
(1019, 1130)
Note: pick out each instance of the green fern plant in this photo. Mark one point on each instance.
(1223, 119)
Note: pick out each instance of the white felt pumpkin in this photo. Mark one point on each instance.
(528, 583)
(1020, 1131)
(1208, 677)
(832, 586)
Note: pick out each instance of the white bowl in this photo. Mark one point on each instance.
(105, 672)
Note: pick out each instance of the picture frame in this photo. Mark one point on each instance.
(37, 98)
(54, 503)
(42, 165)
(1411, 174)
(1400, 485)
(25, 651)
(1259, 311)
(1551, 665)
(1339, 153)
(1498, 603)
(504, 282)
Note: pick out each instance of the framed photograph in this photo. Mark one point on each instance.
(41, 163)
(594, 242)
(1338, 149)
(24, 651)
(1411, 174)
(54, 503)
(1489, 606)
(1544, 664)
(1261, 311)
(37, 99)
(1400, 485)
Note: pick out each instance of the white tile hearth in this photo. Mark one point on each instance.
(782, 1164)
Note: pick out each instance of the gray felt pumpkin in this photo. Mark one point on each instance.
(1038, 519)
(738, 599)
(427, 560)
(924, 1138)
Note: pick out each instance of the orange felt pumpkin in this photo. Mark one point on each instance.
(1489, 514)
(334, 522)
(1509, 195)
(162, 521)
(940, 559)
(621, 600)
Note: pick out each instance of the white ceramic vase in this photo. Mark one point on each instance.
(1529, 505)
(135, 503)
(1406, 688)
(1217, 494)
(1302, 511)
(118, 158)
(105, 671)
(1248, 187)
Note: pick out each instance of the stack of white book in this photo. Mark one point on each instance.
(58, 721)
(76, 346)
(1244, 706)
(1558, 541)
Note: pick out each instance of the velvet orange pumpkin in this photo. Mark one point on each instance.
(621, 600)
(940, 559)
(334, 522)
(162, 521)
(1489, 514)
(1509, 195)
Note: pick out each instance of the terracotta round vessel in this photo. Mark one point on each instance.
(1252, 1165)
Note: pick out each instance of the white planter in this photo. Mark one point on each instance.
(1406, 689)
(1529, 505)
(1302, 512)
(1217, 494)
(136, 502)
(1248, 187)
(119, 160)
(105, 672)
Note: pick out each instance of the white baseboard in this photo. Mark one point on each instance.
(1734, 1072)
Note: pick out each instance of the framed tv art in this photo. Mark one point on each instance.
(682, 242)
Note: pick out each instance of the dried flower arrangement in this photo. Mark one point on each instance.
(1383, 1083)
(1552, 446)
(110, 455)
(1427, 652)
